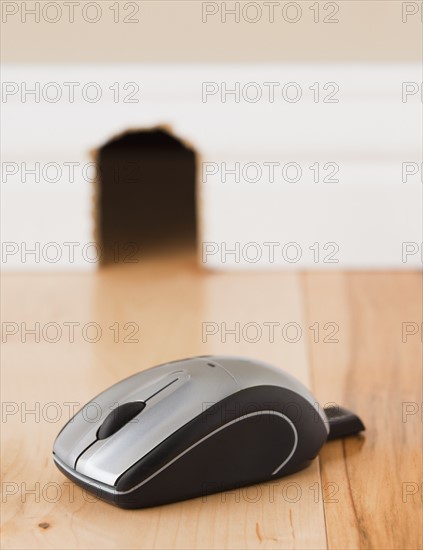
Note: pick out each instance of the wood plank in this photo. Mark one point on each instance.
(169, 299)
(373, 372)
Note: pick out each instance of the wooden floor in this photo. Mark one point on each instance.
(363, 492)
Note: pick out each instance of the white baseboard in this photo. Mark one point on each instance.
(369, 134)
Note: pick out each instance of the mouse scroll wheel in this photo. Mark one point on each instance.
(119, 416)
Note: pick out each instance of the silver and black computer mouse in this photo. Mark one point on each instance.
(194, 427)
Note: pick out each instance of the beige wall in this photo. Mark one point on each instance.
(174, 31)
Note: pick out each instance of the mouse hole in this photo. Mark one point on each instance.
(146, 195)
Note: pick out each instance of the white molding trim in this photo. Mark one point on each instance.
(370, 133)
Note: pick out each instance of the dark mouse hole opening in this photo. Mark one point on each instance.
(146, 196)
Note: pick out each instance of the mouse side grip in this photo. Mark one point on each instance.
(259, 448)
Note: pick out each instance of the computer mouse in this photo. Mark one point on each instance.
(193, 427)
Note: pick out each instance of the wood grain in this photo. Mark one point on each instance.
(376, 478)
(170, 299)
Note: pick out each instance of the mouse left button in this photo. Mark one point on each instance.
(119, 417)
